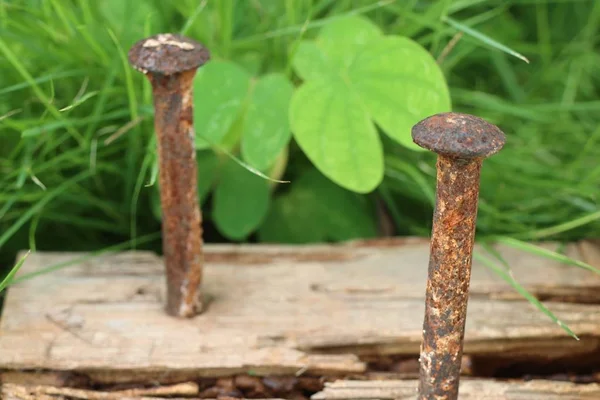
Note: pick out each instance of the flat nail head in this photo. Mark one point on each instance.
(458, 135)
(167, 54)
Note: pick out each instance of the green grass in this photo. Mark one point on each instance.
(75, 169)
(10, 277)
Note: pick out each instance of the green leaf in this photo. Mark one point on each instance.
(335, 48)
(311, 63)
(349, 216)
(240, 202)
(208, 163)
(317, 210)
(294, 218)
(220, 89)
(400, 84)
(231, 140)
(335, 132)
(266, 128)
(346, 38)
(356, 77)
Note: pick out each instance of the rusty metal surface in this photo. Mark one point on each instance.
(458, 135)
(462, 141)
(181, 219)
(448, 277)
(170, 62)
(167, 54)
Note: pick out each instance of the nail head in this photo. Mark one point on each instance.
(167, 54)
(458, 135)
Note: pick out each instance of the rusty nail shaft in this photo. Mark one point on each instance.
(461, 142)
(170, 63)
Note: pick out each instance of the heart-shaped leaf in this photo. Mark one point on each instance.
(338, 44)
(240, 202)
(400, 85)
(316, 210)
(355, 77)
(344, 39)
(337, 135)
(220, 89)
(266, 126)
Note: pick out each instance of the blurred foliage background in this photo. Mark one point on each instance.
(77, 150)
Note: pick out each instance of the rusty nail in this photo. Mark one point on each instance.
(170, 63)
(461, 142)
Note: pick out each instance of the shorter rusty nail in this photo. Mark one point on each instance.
(461, 142)
(170, 63)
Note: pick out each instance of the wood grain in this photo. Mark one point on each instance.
(23, 392)
(275, 310)
(481, 389)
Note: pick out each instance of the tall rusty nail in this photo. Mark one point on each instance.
(461, 142)
(170, 63)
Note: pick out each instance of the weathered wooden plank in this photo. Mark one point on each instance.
(470, 389)
(404, 259)
(240, 386)
(272, 310)
(480, 389)
(40, 392)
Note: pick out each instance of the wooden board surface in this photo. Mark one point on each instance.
(481, 389)
(43, 392)
(276, 310)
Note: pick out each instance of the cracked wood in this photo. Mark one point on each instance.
(278, 310)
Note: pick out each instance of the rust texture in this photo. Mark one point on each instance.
(462, 142)
(167, 54)
(170, 63)
(458, 135)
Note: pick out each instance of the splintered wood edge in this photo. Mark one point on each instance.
(181, 390)
(108, 375)
(473, 389)
(500, 348)
(185, 391)
(322, 363)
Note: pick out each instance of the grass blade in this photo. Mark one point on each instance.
(240, 162)
(484, 38)
(77, 260)
(133, 110)
(45, 100)
(523, 292)
(39, 205)
(556, 229)
(415, 175)
(192, 18)
(11, 275)
(292, 30)
(549, 254)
